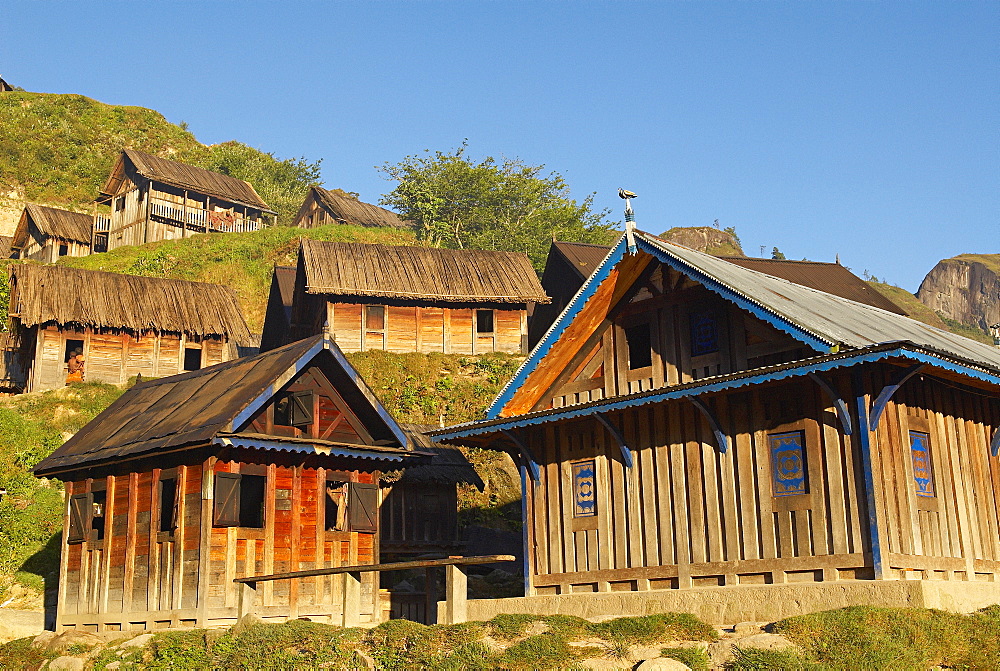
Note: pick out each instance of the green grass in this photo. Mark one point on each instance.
(695, 659)
(867, 637)
(242, 261)
(60, 149)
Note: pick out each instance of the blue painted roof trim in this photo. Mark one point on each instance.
(307, 448)
(755, 308)
(610, 405)
(552, 335)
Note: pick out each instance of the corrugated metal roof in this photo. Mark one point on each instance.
(193, 408)
(420, 273)
(835, 320)
(583, 257)
(832, 278)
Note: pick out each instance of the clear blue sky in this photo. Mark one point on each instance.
(868, 129)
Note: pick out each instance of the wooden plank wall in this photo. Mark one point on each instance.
(686, 515)
(140, 578)
(745, 342)
(114, 356)
(427, 329)
(956, 533)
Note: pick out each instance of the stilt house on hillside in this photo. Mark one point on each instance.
(124, 325)
(688, 422)
(261, 465)
(413, 299)
(48, 233)
(323, 206)
(152, 198)
(569, 264)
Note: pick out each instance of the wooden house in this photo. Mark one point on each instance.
(152, 198)
(420, 503)
(4, 86)
(413, 299)
(265, 464)
(47, 234)
(569, 264)
(124, 325)
(323, 206)
(688, 422)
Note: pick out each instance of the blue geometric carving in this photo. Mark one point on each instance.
(788, 465)
(704, 334)
(584, 489)
(920, 454)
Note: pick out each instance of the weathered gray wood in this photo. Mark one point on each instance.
(391, 566)
(456, 596)
(351, 591)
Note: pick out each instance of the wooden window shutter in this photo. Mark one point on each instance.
(362, 506)
(81, 515)
(300, 410)
(227, 499)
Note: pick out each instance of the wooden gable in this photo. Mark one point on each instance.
(645, 326)
(310, 406)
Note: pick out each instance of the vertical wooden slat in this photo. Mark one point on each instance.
(769, 544)
(745, 482)
(678, 470)
(662, 478)
(649, 529)
(726, 464)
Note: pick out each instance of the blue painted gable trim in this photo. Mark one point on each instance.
(610, 405)
(555, 331)
(759, 311)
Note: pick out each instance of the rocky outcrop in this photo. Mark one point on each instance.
(706, 239)
(965, 288)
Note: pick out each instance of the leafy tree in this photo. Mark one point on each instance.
(777, 254)
(504, 204)
(283, 184)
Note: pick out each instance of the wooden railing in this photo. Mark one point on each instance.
(456, 585)
(200, 219)
(102, 224)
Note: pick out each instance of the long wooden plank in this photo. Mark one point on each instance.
(745, 482)
(387, 566)
(649, 512)
(726, 464)
(769, 542)
(662, 478)
(678, 471)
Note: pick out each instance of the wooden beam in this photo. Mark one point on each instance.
(887, 391)
(613, 430)
(532, 463)
(721, 440)
(838, 403)
(390, 566)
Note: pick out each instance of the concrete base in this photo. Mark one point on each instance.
(751, 603)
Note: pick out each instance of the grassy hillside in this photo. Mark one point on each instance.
(59, 149)
(242, 261)
(917, 310)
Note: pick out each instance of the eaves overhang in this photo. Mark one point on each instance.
(720, 383)
(319, 447)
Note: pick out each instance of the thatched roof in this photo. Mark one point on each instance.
(350, 211)
(57, 294)
(420, 273)
(188, 177)
(5, 241)
(56, 223)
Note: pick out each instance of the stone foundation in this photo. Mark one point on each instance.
(751, 603)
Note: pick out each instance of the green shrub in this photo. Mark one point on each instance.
(21, 654)
(508, 626)
(649, 628)
(401, 644)
(755, 659)
(696, 659)
(544, 651)
(292, 644)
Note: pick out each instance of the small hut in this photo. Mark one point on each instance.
(48, 233)
(420, 503)
(152, 198)
(694, 434)
(323, 206)
(123, 325)
(4, 86)
(414, 299)
(261, 465)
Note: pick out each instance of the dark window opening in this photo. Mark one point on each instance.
(73, 347)
(375, 317)
(63, 250)
(640, 346)
(97, 521)
(294, 408)
(704, 334)
(336, 506)
(81, 511)
(362, 507)
(252, 500)
(192, 358)
(484, 321)
(168, 504)
(120, 203)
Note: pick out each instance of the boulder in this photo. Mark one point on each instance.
(662, 664)
(139, 641)
(20, 623)
(765, 642)
(67, 663)
(61, 642)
